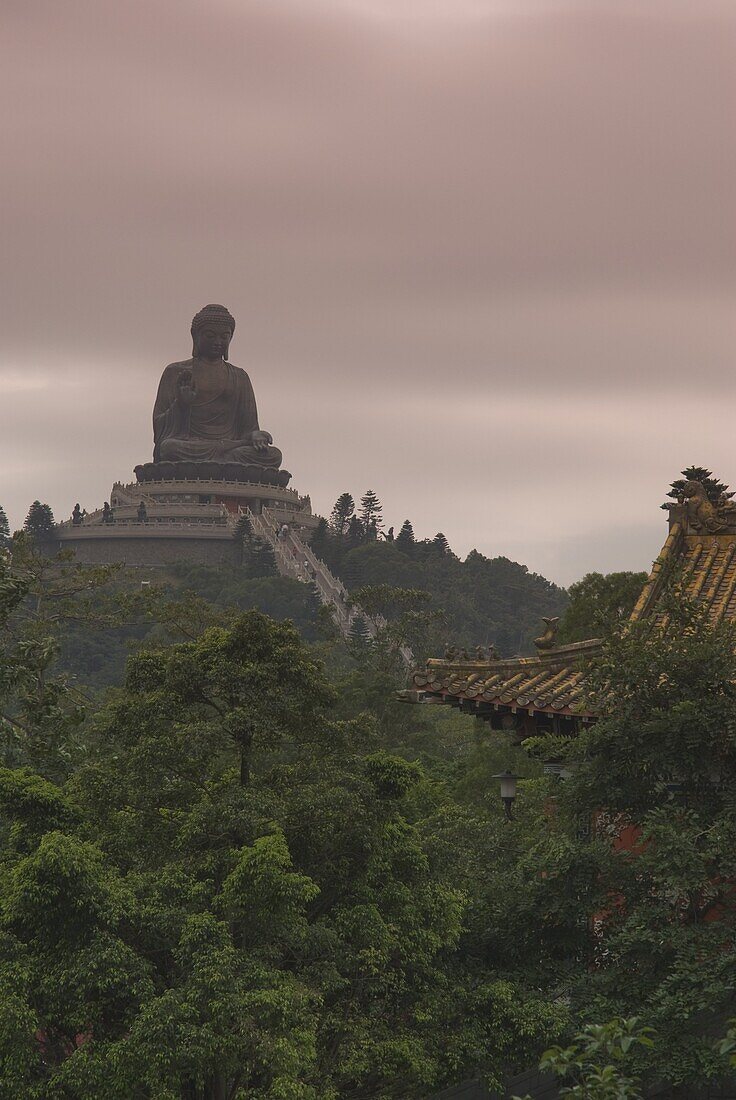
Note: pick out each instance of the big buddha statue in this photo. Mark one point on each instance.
(205, 420)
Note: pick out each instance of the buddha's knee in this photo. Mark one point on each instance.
(169, 450)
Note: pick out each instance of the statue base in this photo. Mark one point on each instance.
(211, 471)
(156, 523)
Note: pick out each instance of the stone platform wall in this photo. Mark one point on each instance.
(142, 551)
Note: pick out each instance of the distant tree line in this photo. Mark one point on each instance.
(482, 599)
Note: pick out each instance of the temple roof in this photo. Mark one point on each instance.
(706, 565)
(550, 684)
(700, 548)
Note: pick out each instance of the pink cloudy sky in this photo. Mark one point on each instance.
(482, 253)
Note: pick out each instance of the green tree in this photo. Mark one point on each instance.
(356, 532)
(320, 540)
(595, 1062)
(314, 600)
(655, 773)
(243, 536)
(599, 603)
(716, 490)
(4, 529)
(44, 599)
(286, 937)
(343, 510)
(261, 561)
(405, 540)
(39, 523)
(359, 634)
(229, 678)
(440, 543)
(370, 510)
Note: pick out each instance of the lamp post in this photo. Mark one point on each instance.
(508, 791)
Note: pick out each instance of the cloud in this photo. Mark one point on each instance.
(422, 213)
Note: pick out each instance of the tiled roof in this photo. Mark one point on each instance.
(550, 684)
(702, 548)
(706, 564)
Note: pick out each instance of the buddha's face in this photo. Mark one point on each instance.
(212, 341)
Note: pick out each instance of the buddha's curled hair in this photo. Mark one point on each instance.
(208, 315)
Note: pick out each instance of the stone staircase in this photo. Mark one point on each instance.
(295, 559)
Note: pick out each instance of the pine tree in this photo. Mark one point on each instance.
(340, 516)
(370, 509)
(261, 560)
(243, 536)
(4, 529)
(359, 635)
(440, 543)
(405, 540)
(313, 600)
(40, 523)
(715, 489)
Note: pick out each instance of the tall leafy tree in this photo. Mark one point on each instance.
(229, 677)
(599, 603)
(286, 936)
(343, 509)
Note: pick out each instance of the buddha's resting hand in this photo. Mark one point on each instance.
(262, 440)
(187, 389)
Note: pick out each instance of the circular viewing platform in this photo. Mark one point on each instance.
(166, 520)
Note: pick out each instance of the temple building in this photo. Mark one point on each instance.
(546, 693)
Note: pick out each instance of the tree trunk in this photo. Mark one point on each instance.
(246, 746)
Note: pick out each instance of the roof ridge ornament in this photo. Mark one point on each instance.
(548, 639)
(700, 512)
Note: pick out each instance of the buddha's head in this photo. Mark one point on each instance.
(212, 331)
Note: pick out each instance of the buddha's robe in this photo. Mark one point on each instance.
(216, 427)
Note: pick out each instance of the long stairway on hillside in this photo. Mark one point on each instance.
(295, 559)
